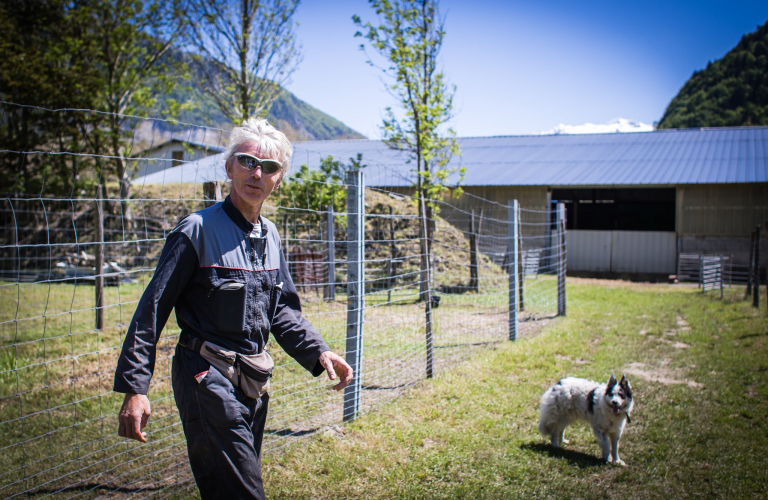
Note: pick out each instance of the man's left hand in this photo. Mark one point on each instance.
(336, 368)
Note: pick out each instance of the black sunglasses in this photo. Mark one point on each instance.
(251, 162)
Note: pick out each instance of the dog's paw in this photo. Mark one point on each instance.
(618, 461)
(564, 441)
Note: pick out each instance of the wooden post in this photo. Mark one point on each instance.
(99, 268)
(473, 282)
(391, 268)
(286, 242)
(211, 192)
(722, 272)
(331, 288)
(756, 295)
(748, 292)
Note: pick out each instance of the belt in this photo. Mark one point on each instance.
(189, 342)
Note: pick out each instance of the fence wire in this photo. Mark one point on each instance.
(58, 414)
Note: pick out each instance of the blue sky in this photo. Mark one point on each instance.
(525, 67)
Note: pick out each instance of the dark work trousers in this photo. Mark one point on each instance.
(224, 429)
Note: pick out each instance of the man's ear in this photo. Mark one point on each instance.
(227, 166)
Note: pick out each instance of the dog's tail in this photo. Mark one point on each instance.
(545, 427)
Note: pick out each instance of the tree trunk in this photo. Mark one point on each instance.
(123, 179)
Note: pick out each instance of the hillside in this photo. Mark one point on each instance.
(730, 92)
(297, 119)
(301, 122)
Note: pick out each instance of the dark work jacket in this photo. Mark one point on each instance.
(223, 281)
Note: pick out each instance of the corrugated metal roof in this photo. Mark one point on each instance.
(665, 157)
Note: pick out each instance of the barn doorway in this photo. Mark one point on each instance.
(630, 209)
(620, 231)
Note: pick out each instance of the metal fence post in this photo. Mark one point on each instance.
(99, 269)
(355, 288)
(520, 265)
(513, 257)
(561, 260)
(330, 293)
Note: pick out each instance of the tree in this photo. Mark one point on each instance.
(730, 92)
(101, 55)
(126, 41)
(409, 36)
(315, 190)
(40, 72)
(246, 51)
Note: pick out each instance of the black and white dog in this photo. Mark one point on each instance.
(605, 407)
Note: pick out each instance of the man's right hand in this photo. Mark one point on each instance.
(133, 417)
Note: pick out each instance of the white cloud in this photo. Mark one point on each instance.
(617, 125)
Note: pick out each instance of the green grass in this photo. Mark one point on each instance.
(698, 367)
(58, 414)
(697, 364)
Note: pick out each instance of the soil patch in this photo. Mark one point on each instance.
(660, 374)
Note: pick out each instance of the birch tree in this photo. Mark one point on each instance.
(125, 42)
(409, 35)
(245, 51)
(90, 54)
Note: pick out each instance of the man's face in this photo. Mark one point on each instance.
(251, 186)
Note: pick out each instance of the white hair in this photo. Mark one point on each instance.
(272, 143)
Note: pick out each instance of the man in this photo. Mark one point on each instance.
(223, 270)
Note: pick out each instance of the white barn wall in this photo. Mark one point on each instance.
(588, 250)
(641, 252)
(163, 156)
(628, 252)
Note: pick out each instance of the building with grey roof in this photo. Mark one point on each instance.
(635, 201)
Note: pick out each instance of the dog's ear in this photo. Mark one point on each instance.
(625, 384)
(611, 381)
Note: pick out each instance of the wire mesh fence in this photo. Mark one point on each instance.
(718, 272)
(61, 331)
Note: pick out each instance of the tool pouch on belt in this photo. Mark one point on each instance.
(250, 373)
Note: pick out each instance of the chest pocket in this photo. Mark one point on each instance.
(227, 298)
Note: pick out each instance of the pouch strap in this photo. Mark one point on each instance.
(192, 343)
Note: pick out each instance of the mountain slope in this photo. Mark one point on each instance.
(730, 92)
(301, 122)
(297, 119)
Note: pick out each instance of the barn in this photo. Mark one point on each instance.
(174, 152)
(635, 202)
